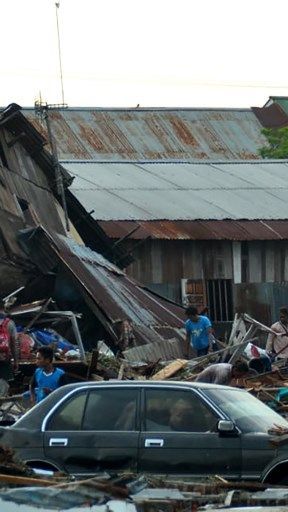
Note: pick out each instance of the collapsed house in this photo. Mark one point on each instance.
(50, 261)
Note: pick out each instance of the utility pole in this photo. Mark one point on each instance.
(42, 109)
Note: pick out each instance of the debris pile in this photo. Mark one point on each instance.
(10, 465)
(130, 493)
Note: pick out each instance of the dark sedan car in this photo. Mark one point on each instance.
(156, 427)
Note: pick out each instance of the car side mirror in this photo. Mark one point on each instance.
(226, 426)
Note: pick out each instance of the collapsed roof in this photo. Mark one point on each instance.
(109, 292)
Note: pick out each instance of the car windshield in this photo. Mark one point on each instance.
(248, 413)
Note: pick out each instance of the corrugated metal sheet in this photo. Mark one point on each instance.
(153, 134)
(198, 230)
(182, 191)
(164, 350)
(272, 116)
(115, 296)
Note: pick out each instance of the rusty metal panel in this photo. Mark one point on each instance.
(182, 191)
(271, 116)
(154, 134)
(199, 230)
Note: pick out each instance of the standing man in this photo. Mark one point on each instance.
(8, 347)
(277, 344)
(46, 378)
(198, 330)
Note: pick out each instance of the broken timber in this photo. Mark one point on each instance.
(170, 369)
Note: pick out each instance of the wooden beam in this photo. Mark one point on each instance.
(170, 369)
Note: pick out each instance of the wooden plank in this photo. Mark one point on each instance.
(121, 371)
(170, 369)
(24, 480)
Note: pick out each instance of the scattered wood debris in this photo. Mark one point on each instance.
(10, 465)
(170, 369)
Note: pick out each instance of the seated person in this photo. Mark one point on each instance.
(187, 418)
(181, 416)
(157, 416)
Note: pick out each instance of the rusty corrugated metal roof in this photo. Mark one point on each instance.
(111, 294)
(150, 191)
(153, 134)
(198, 230)
(272, 116)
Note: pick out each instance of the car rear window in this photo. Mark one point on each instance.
(69, 414)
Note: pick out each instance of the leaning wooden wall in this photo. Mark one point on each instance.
(22, 177)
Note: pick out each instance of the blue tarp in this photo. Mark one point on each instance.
(45, 337)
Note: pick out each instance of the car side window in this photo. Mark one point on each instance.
(111, 409)
(170, 410)
(69, 415)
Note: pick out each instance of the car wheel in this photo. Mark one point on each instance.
(39, 466)
(283, 481)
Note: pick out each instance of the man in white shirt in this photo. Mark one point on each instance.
(277, 344)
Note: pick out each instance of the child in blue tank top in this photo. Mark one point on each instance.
(46, 378)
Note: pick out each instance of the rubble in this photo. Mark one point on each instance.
(129, 493)
(10, 465)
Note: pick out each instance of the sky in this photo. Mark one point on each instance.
(155, 53)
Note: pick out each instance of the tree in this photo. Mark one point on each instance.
(278, 143)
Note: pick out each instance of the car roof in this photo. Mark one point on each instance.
(145, 383)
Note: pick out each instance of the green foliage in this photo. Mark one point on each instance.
(278, 143)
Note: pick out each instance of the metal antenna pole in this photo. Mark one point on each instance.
(57, 5)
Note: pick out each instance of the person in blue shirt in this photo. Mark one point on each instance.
(46, 378)
(198, 331)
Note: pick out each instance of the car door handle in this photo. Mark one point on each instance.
(154, 443)
(58, 441)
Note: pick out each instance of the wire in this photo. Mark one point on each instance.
(57, 5)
